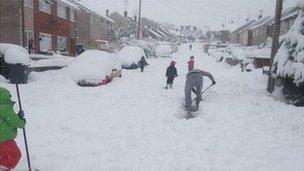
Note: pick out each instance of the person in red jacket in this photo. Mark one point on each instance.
(191, 63)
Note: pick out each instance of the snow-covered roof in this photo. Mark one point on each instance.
(68, 3)
(82, 6)
(243, 27)
(155, 33)
(174, 32)
(290, 12)
(159, 32)
(260, 22)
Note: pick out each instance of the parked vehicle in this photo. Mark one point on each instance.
(103, 45)
(164, 50)
(129, 56)
(94, 68)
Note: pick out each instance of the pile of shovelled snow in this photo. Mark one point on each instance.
(14, 54)
(92, 65)
(130, 55)
(290, 57)
(60, 62)
(163, 50)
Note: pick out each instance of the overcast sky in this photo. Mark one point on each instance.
(211, 13)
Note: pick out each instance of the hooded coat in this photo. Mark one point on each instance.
(9, 120)
(142, 63)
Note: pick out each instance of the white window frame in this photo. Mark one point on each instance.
(47, 37)
(45, 7)
(28, 3)
(72, 13)
(61, 14)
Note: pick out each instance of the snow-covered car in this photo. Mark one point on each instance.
(94, 68)
(129, 56)
(164, 50)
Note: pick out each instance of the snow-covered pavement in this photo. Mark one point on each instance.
(133, 123)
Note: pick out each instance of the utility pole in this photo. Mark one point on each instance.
(139, 18)
(275, 43)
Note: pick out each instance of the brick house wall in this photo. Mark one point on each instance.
(83, 26)
(97, 31)
(259, 35)
(10, 22)
(28, 18)
(53, 25)
(261, 62)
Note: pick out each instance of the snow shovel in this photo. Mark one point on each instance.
(202, 92)
(24, 133)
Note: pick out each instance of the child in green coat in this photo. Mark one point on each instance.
(9, 122)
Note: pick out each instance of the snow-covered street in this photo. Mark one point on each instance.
(133, 122)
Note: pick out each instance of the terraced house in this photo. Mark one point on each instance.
(92, 26)
(40, 25)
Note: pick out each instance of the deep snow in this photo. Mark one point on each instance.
(132, 123)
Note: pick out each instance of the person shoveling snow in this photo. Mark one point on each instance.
(194, 83)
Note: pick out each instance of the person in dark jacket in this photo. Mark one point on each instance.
(194, 83)
(142, 64)
(171, 73)
(191, 63)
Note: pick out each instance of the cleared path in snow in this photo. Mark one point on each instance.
(133, 124)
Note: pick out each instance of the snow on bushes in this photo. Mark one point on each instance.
(92, 65)
(289, 61)
(14, 54)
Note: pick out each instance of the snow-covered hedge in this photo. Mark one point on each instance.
(14, 54)
(289, 61)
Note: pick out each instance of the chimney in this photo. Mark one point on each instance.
(125, 14)
(107, 12)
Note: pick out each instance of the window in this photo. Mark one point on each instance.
(45, 42)
(62, 44)
(61, 10)
(45, 7)
(72, 15)
(28, 3)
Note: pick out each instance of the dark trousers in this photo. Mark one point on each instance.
(142, 69)
(170, 80)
